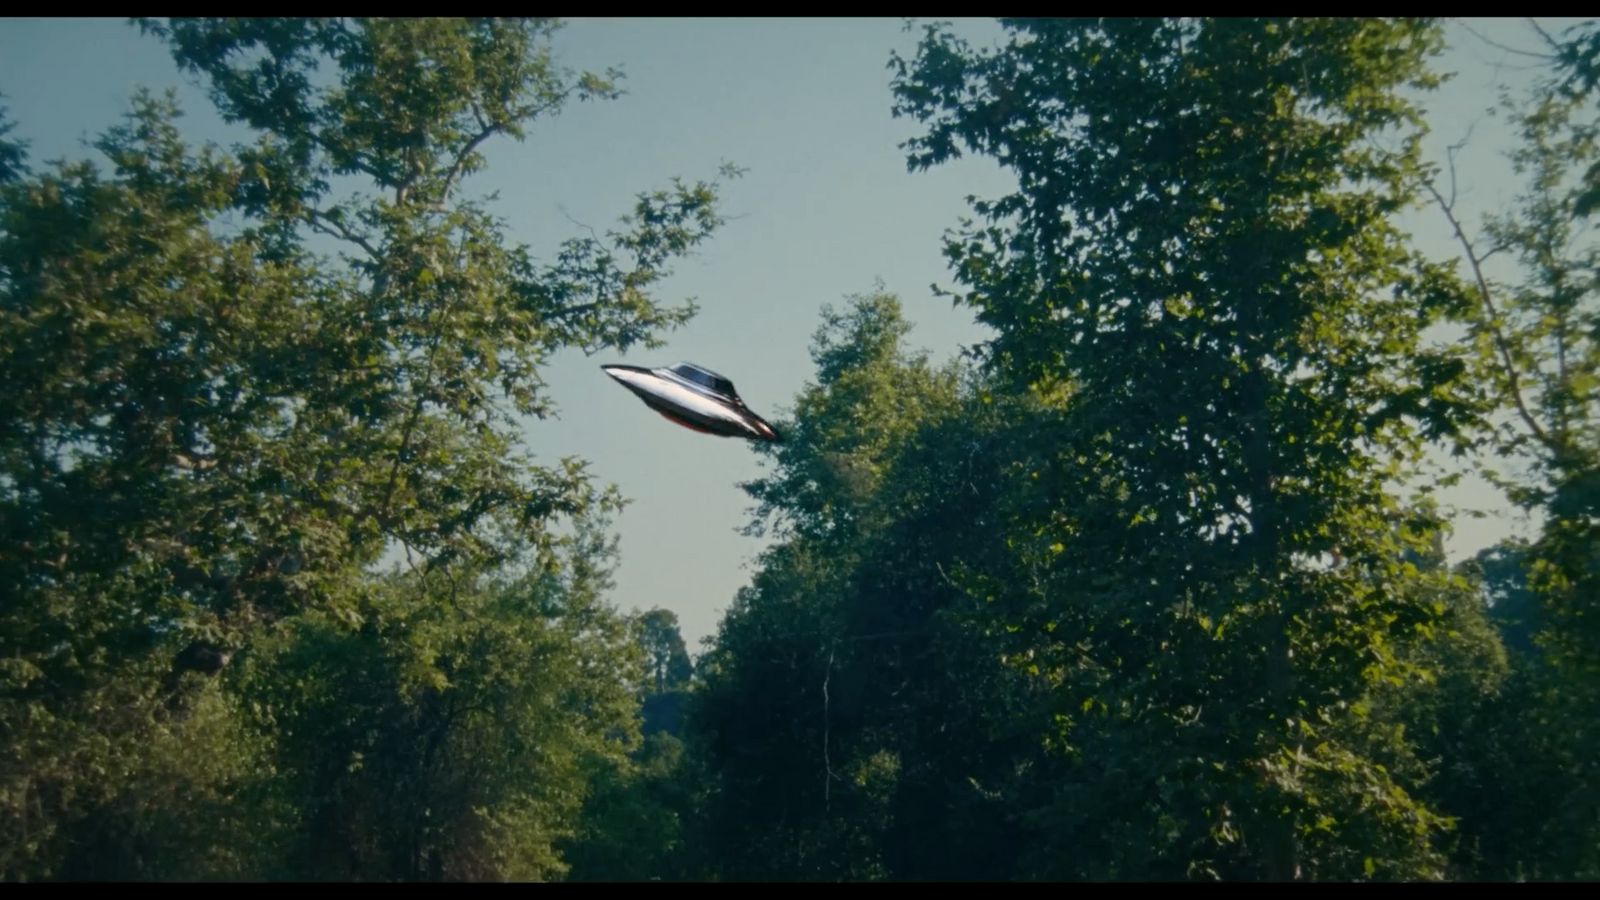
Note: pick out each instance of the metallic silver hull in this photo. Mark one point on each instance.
(692, 406)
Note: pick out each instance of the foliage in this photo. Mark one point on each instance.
(1129, 593)
(210, 428)
(1201, 245)
(1537, 339)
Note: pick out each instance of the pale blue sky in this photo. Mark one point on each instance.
(826, 208)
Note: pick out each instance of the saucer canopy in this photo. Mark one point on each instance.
(704, 378)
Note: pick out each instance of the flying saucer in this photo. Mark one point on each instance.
(694, 397)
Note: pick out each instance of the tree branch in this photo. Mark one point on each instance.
(319, 220)
(410, 425)
(460, 162)
(486, 130)
(422, 396)
(1514, 383)
(1499, 46)
(1548, 39)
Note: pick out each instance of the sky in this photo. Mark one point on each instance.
(826, 209)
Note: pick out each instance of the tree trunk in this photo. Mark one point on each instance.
(1281, 850)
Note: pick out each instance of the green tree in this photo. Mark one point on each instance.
(669, 670)
(638, 810)
(1444, 734)
(453, 735)
(1538, 343)
(13, 154)
(855, 711)
(1200, 245)
(210, 427)
(796, 792)
(1513, 606)
(663, 645)
(637, 819)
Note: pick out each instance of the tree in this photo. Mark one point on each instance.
(209, 427)
(797, 784)
(1502, 570)
(12, 153)
(1200, 246)
(668, 671)
(1538, 349)
(454, 735)
(855, 710)
(663, 645)
(637, 819)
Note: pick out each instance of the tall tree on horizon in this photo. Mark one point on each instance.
(1201, 244)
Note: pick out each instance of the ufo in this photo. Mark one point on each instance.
(694, 397)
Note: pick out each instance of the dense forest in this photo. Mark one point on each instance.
(1149, 586)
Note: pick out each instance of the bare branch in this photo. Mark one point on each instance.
(1497, 248)
(1450, 155)
(1499, 46)
(1514, 384)
(1548, 37)
(486, 130)
(589, 228)
(319, 220)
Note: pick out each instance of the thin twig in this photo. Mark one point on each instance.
(1548, 38)
(461, 158)
(1499, 46)
(320, 221)
(589, 228)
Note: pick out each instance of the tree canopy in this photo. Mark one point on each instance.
(1149, 585)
